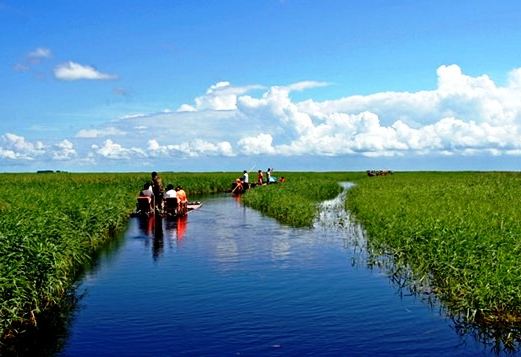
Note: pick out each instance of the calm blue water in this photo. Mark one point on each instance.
(228, 281)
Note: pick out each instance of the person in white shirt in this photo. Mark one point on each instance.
(149, 194)
(170, 192)
(245, 179)
(170, 200)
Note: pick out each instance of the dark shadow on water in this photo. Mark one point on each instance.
(46, 338)
(49, 335)
(158, 243)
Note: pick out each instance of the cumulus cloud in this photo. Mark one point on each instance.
(64, 151)
(193, 148)
(72, 71)
(186, 108)
(259, 144)
(115, 151)
(220, 96)
(463, 116)
(98, 133)
(18, 148)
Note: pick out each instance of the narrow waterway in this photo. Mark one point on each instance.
(228, 281)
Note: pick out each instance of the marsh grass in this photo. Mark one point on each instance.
(457, 233)
(53, 225)
(455, 236)
(295, 202)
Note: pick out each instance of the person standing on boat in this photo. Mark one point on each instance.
(245, 180)
(259, 178)
(158, 189)
(268, 176)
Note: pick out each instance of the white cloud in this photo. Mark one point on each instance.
(133, 116)
(98, 133)
(72, 71)
(112, 150)
(463, 116)
(64, 151)
(193, 148)
(255, 145)
(7, 154)
(220, 96)
(300, 86)
(17, 147)
(40, 52)
(186, 108)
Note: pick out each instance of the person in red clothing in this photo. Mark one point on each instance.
(260, 178)
(182, 201)
(238, 189)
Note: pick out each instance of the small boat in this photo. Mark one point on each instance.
(194, 205)
(145, 208)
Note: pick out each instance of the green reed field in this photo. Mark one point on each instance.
(295, 202)
(458, 233)
(52, 225)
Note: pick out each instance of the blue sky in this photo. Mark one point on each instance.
(227, 85)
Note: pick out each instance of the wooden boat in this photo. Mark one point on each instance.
(145, 208)
(171, 208)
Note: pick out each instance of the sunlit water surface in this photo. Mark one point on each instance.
(228, 281)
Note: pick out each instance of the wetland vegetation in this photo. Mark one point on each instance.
(455, 236)
(52, 225)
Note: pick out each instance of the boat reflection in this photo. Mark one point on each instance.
(155, 228)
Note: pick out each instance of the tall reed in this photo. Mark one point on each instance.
(460, 232)
(295, 202)
(51, 225)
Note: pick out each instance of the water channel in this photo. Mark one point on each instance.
(228, 281)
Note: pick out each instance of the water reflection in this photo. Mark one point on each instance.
(155, 228)
(158, 244)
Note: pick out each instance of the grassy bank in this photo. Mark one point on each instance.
(51, 225)
(458, 232)
(295, 202)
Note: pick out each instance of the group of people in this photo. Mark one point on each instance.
(267, 177)
(379, 172)
(243, 183)
(160, 200)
